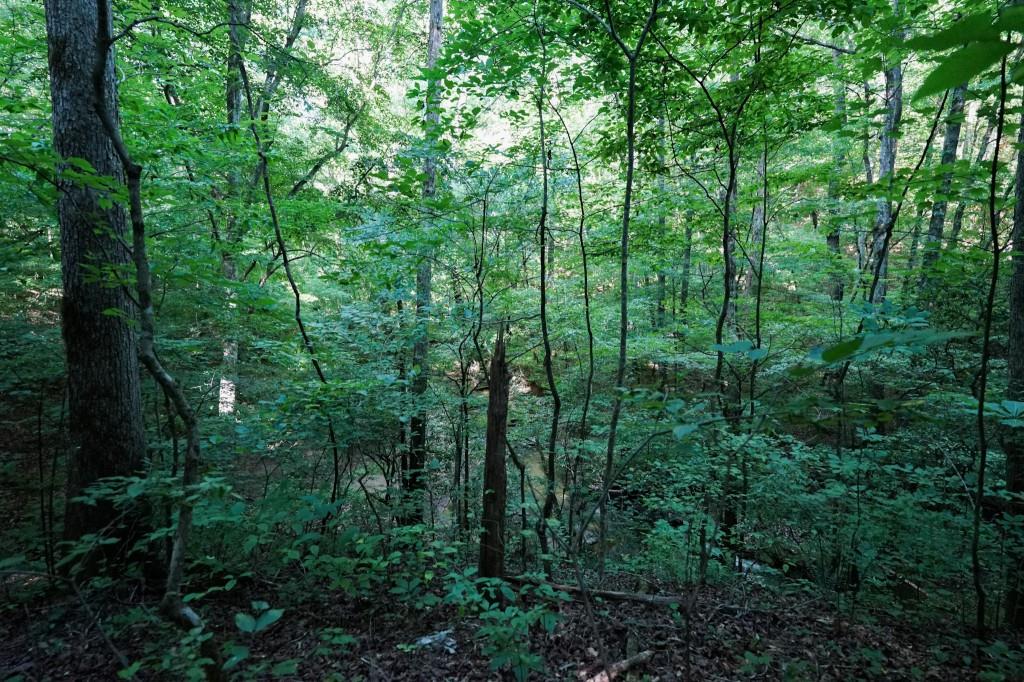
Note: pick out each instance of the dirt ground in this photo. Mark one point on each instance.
(729, 634)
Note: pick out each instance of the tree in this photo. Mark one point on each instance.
(632, 55)
(421, 342)
(886, 170)
(950, 142)
(1013, 437)
(104, 394)
(492, 540)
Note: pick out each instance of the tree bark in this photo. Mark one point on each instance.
(936, 225)
(832, 239)
(104, 394)
(1013, 438)
(684, 276)
(421, 343)
(886, 168)
(757, 226)
(961, 207)
(238, 14)
(546, 268)
(633, 57)
(659, 314)
(492, 541)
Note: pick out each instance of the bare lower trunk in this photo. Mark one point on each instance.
(546, 263)
(886, 171)
(1013, 438)
(238, 15)
(936, 225)
(961, 207)
(659, 313)
(104, 394)
(684, 276)
(832, 239)
(421, 344)
(757, 226)
(492, 541)
(633, 58)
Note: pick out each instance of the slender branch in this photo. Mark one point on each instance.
(811, 41)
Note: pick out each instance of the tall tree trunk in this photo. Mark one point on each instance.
(961, 207)
(620, 371)
(546, 264)
(238, 15)
(421, 343)
(832, 239)
(104, 395)
(1013, 438)
(914, 251)
(886, 170)
(581, 235)
(729, 395)
(936, 225)
(757, 225)
(977, 570)
(633, 58)
(106, 110)
(462, 419)
(684, 276)
(492, 541)
(659, 315)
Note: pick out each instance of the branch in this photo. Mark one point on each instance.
(818, 43)
(126, 31)
(339, 147)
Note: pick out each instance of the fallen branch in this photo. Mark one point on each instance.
(684, 601)
(616, 669)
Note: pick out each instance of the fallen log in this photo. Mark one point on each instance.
(615, 669)
(684, 601)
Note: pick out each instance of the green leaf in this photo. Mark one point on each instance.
(1013, 408)
(961, 66)
(681, 431)
(268, 618)
(245, 622)
(975, 28)
(289, 667)
(842, 350)
(1011, 19)
(734, 347)
(12, 561)
(237, 654)
(129, 672)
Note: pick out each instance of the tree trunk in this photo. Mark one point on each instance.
(915, 242)
(421, 344)
(950, 141)
(832, 239)
(757, 227)
(238, 14)
(961, 207)
(620, 370)
(492, 541)
(684, 277)
(546, 268)
(886, 168)
(1013, 438)
(659, 315)
(104, 393)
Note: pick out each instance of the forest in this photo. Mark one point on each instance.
(511, 339)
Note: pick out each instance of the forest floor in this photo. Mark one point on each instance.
(744, 632)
